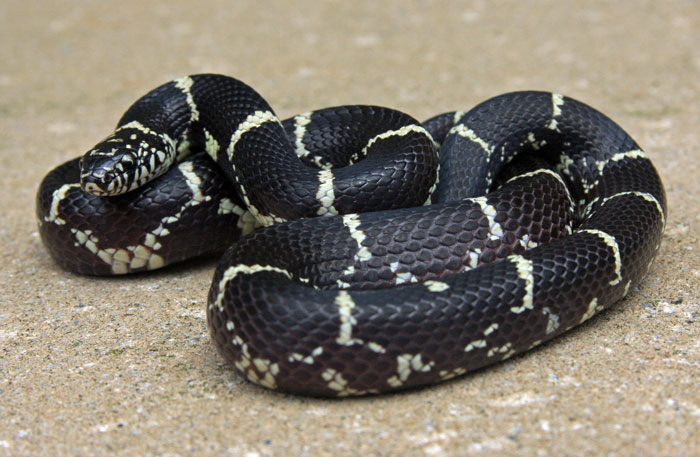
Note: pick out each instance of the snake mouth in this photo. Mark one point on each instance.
(93, 188)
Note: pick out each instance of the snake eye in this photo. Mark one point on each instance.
(106, 175)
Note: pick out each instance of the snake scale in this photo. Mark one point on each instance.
(414, 276)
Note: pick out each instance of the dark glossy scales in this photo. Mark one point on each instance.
(281, 334)
(276, 316)
(124, 221)
(450, 288)
(426, 242)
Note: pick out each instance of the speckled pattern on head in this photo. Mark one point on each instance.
(366, 302)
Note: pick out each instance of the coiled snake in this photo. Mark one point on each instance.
(387, 292)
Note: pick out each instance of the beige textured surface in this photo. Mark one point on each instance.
(125, 366)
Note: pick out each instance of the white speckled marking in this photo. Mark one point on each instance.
(185, 84)
(552, 320)
(211, 146)
(436, 286)
(404, 277)
(319, 161)
(405, 364)
(491, 328)
(309, 359)
(183, 148)
(557, 103)
(475, 344)
(447, 374)
(143, 255)
(564, 163)
(335, 380)
(495, 228)
(122, 261)
(527, 243)
(376, 347)
(325, 194)
(509, 353)
(524, 269)
(536, 144)
(352, 222)
(592, 309)
(226, 206)
(247, 222)
(300, 123)
(433, 188)
(474, 258)
(257, 370)
(339, 384)
(499, 350)
(345, 305)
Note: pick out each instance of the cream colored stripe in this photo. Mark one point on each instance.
(300, 123)
(612, 243)
(524, 269)
(251, 122)
(468, 133)
(325, 194)
(233, 271)
(557, 103)
(58, 195)
(345, 305)
(405, 130)
(634, 154)
(352, 222)
(495, 228)
(557, 176)
(185, 84)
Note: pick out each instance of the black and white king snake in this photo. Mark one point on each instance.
(387, 293)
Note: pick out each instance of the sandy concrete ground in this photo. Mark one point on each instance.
(125, 366)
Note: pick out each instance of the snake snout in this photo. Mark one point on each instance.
(105, 176)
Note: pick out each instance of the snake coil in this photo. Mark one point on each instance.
(414, 276)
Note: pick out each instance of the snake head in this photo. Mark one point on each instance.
(127, 159)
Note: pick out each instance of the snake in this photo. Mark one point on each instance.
(365, 252)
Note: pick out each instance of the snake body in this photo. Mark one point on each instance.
(413, 277)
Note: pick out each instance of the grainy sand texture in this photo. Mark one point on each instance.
(93, 367)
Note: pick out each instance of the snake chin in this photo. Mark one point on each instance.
(98, 183)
